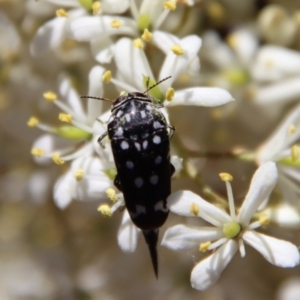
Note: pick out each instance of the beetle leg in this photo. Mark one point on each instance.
(101, 137)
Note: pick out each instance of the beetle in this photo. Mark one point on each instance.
(140, 141)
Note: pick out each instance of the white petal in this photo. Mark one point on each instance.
(66, 3)
(216, 51)
(61, 192)
(181, 201)
(262, 184)
(277, 252)
(177, 163)
(114, 6)
(279, 92)
(128, 234)
(207, 271)
(48, 143)
(49, 36)
(201, 96)
(103, 49)
(245, 45)
(280, 139)
(95, 107)
(185, 237)
(132, 63)
(176, 64)
(275, 62)
(72, 98)
(89, 28)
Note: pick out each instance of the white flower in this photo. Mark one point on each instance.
(279, 67)
(54, 32)
(230, 231)
(99, 30)
(180, 54)
(73, 140)
(283, 148)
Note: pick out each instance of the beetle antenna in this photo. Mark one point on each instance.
(157, 83)
(97, 98)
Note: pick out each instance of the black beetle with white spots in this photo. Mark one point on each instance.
(140, 141)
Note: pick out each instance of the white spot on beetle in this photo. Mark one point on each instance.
(159, 206)
(157, 125)
(158, 160)
(127, 117)
(134, 137)
(124, 145)
(119, 131)
(145, 144)
(156, 139)
(129, 164)
(143, 114)
(137, 146)
(139, 182)
(140, 209)
(119, 113)
(145, 135)
(154, 179)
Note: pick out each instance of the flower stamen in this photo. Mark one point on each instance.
(170, 94)
(106, 77)
(65, 118)
(96, 7)
(138, 43)
(105, 210)
(194, 209)
(61, 13)
(32, 122)
(147, 35)
(50, 96)
(112, 195)
(38, 152)
(115, 24)
(177, 50)
(203, 247)
(79, 174)
(56, 158)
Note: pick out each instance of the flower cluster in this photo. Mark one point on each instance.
(190, 59)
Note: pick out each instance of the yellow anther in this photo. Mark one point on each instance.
(170, 94)
(292, 129)
(295, 153)
(177, 50)
(79, 174)
(225, 177)
(115, 24)
(216, 11)
(96, 7)
(216, 114)
(32, 122)
(263, 219)
(138, 43)
(50, 96)
(147, 35)
(170, 5)
(56, 158)
(111, 194)
(38, 152)
(65, 118)
(62, 13)
(106, 77)
(194, 209)
(105, 210)
(232, 40)
(203, 247)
